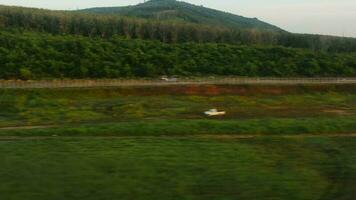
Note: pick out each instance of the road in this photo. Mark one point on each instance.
(19, 84)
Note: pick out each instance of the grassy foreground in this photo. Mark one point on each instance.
(179, 168)
(165, 148)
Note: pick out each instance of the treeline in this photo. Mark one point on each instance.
(30, 55)
(107, 26)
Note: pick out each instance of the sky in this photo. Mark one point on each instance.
(330, 17)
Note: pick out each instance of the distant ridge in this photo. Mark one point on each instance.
(173, 10)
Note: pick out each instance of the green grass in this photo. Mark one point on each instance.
(165, 148)
(118, 107)
(136, 112)
(272, 126)
(179, 168)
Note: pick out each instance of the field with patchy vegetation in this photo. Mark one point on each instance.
(178, 110)
(276, 142)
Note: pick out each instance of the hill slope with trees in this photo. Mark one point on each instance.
(37, 43)
(107, 26)
(172, 10)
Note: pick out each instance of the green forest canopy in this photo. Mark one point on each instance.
(33, 55)
(107, 26)
(36, 44)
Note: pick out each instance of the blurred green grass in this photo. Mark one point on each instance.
(179, 168)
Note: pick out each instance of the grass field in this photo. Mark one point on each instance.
(276, 142)
(173, 111)
(179, 168)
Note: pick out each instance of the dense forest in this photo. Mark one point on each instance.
(33, 55)
(38, 44)
(107, 26)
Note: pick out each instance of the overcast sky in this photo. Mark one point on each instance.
(332, 17)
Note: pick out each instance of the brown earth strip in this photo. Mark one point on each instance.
(209, 90)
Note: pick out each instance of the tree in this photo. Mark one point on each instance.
(309, 67)
(2, 21)
(25, 74)
(126, 71)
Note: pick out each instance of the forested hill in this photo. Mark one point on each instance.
(173, 10)
(37, 44)
(107, 26)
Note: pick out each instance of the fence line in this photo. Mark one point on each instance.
(19, 84)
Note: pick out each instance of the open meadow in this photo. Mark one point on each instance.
(294, 142)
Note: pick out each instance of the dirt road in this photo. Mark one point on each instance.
(18, 84)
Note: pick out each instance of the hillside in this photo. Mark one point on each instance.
(173, 10)
(38, 44)
(172, 32)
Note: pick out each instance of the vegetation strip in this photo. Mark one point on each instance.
(199, 127)
(222, 137)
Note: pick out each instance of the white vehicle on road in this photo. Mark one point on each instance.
(214, 112)
(167, 79)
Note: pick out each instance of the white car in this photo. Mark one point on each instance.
(169, 79)
(214, 112)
